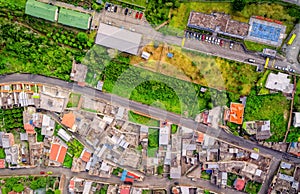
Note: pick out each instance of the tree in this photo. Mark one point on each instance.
(18, 188)
(82, 37)
(160, 169)
(34, 185)
(238, 5)
(57, 191)
(49, 191)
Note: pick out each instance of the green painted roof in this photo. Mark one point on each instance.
(73, 18)
(41, 10)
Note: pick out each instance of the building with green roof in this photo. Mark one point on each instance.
(41, 10)
(74, 19)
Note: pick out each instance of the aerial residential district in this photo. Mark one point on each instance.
(149, 97)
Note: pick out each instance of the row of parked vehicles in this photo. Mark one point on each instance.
(207, 38)
(288, 69)
(127, 11)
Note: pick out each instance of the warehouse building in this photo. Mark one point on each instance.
(41, 10)
(74, 19)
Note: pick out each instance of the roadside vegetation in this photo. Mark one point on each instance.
(252, 187)
(140, 119)
(153, 135)
(261, 107)
(254, 46)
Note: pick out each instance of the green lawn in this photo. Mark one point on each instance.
(254, 46)
(174, 128)
(262, 108)
(252, 187)
(153, 135)
(73, 100)
(136, 118)
(205, 175)
(68, 161)
(2, 153)
(297, 96)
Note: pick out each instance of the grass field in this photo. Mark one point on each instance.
(257, 46)
(68, 161)
(262, 108)
(73, 100)
(136, 118)
(142, 3)
(199, 68)
(2, 153)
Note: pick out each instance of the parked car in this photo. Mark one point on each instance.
(203, 37)
(115, 9)
(292, 70)
(49, 172)
(206, 39)
(231, 45)
(112, 8)
(141, 15)
(251, 60)
(42, 172)
(126, 11)
(137, 15)
(107, 5)
(130, 12)
(221, 42)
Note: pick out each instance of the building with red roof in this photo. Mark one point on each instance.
(239, 184)
(124, 189)
(200, 137)
(58, 152)
(2, 163)
(85, 155)
(29, 128)
(236, 113)
(68, 120)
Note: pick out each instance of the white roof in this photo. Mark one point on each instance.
(145, 55)
(254, 155)
(63, 134)
(164, 135)
(286, 177)
(87, 186)
(108, 119)
(285, 165)
(279, 82)
(185, 190)
(120, 113)
(105, 167)
(211, 166)
(297, 119)
(258, 172)
(46, 120)
(118, 38)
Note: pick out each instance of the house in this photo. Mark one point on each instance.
(279, 82)
(76, 185)
(78, 72)
(41, 10)
(254, 156)
(12, 155)
(85, 155)
(7, 140)
(261, 129)
(68, 120)
(297, 119)
(87, 186)
(164, 135)
(200, 137)
(23, 136)
(48, 126)
(58, 151)
(2, 163)
(124, 189)
(29, 128)
(175, 172)
(64, 135)
(239, 184)
(74, 19)
(236, 113)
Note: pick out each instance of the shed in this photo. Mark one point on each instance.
(74, 19)
(41, 10)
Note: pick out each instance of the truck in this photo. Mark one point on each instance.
(291, 40)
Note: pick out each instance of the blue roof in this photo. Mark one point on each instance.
(170, 55)
(123, 176)
(293, 144)
(209, 171)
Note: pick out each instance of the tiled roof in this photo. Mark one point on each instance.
(57, 152)
(86, 156)
(236, 113)
(68, 119)
(239, 184)
(2, 163)
(29, 128)
(41, 10)
(200, 137)
(74, 18)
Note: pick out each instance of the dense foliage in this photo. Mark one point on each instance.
(238, 5)
(153, 135)
(136, 118)
(158, 10)
(11, 119)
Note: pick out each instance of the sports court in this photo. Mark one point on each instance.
(266, 31)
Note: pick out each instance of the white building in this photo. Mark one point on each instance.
(280, 82)
(297, 119)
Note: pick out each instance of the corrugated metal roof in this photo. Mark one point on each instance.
(41, 10)
(74, 18)
(118, 38)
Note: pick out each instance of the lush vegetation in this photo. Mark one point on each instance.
(160, 169)
(73, 100)
(231, 178)
(252, 187)
(75, 148)
(136, 118)
(153, 135)
(205, 175)
(262, 108)
(2, 153)
(297, 97)
(158, 10)
(11, 120)
(294, 135)
(39, 136)
(18, 184)
(68, 161)
(254, 46)
(86, 4)
(117, 171)
(174, 128)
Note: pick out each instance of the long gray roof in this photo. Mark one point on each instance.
(118, 38)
